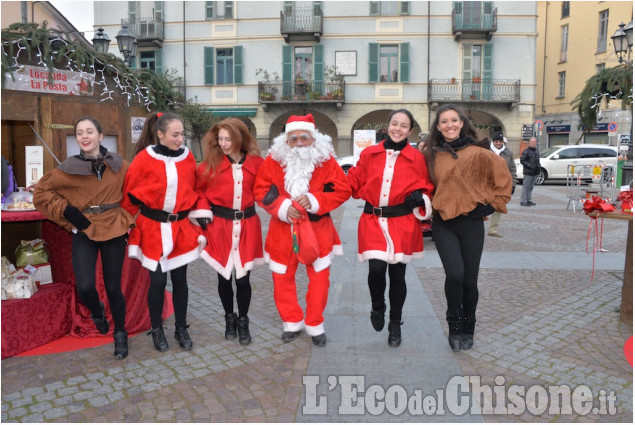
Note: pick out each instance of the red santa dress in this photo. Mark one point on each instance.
(385, 178)
(231, 243)
(327, 189)
(163, 183)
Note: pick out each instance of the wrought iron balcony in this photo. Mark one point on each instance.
(475, 90)
(148, 31)
(473, 24)
(300, 92)
(301, 24)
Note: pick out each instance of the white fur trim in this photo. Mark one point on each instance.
(314, 330)
(167, 244)
(338, 250)
(284, 208)
(134, 251)
(299, 125)
(226, 272)
(164, 158)
(383, 255)
(275, 267)
(428, 207)
(315, 206)
(322, 263)
(202, 213)
(183, 259)
(386, 181)
(390, 246)
(237, 174)
(293, 326)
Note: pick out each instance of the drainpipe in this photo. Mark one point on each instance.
(33, 11)
(184, 64)
(544, 59)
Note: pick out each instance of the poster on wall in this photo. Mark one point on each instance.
(34, 161)
(361, 140)
(136, 124)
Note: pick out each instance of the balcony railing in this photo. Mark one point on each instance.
(303, 92)
(488, 91)
(148, 31)
(474, 24)
(301, 24)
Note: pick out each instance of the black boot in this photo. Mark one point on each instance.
(101, 322)
(244, 337)
(455, 324)
(468, 332)
(121, 344)
(181, 335)
(158, 338)
(230, 326)
(394, 333)
(377, 317)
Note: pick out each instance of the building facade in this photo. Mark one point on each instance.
(264, 61)
(574, 43)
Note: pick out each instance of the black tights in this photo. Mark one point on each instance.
(156, 295)
(84, 256)
(377, 286)
(459, 242)
(243, 294)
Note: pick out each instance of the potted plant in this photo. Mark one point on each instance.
(476, 79)
(338, 94)
(453, 80)
(266, 96)
(314, 95)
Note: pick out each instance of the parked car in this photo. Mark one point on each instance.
(346, 162)
(554, 161)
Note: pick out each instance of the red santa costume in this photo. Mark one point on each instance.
(384, 178)
(233, 243)
(287, 174)
(164, 183)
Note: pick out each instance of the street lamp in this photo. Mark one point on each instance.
(101, 41)
(126, 42)
(621, 41)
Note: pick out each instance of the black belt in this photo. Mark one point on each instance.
(391, 211)
(232, 214)
(162, 216)
(315, 217)
(98, 209)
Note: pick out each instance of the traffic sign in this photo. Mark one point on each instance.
(612, 127)
(539, 124)
(527, 131)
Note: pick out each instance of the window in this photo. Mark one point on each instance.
(600, 67)
(303, 63)
(564, 42)
(132, 10)
(389, 63)
(158, 10)
(603, 31)
(477, 64)
(223, 65)
(152, 60)
(570, 153)
(219, 10)
(389, 8)
(562, 79)
(565, 9)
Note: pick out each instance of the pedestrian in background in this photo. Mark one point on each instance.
(471, 183)
(160, 191)
(530, 160)
(392, 177)
(226, 211)
(499, 147)
(83, 196)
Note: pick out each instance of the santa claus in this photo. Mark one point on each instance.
(301, 180)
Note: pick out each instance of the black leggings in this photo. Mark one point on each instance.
(84, 256)
(459, 242)
(243, 294)
(156, 295)
(377, 286)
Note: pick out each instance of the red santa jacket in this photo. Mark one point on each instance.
(163, 183)
(328, 188)
(230, 243)
(385, 178)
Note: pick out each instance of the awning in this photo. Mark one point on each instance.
(233, 112)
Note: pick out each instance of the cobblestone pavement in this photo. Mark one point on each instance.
(534, 327)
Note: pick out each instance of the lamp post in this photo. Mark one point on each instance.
(101, 41)
(127, 43)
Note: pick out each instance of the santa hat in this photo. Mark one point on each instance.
(300, 122)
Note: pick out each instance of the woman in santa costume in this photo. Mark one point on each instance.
(160, 190)
(392, 177)
(300, 178)
(226, 211)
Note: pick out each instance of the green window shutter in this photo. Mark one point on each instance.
(229, 10)
(317, 7)
(238, 64)
(158, 62)
(467, 71)
(404, 8)
(375, 8)
(209, 65)
(487, 7)
(318, 68)
(487, 70)
(287, 69)
(404, 62)
(373, 62)
(209, 10)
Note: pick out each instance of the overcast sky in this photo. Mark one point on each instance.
(79, 13)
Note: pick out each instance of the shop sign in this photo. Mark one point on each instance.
(36, 79)
(558, 128)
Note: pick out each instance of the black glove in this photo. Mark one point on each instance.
(415, 199)
(513, 189)
(481, 211)
(203, 222)
(271, 196)
(76, 217)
